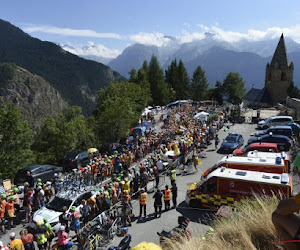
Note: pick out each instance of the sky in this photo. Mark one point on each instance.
(107, 27)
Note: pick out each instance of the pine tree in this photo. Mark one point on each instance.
(199, 85)
(183, 89)
(234, 88)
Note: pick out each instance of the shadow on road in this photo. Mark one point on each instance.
(202, 216)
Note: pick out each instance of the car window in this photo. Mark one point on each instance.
(78, 201)
(38, 170)
(48, 168)
(231, 139)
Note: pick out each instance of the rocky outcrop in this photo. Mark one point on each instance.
(34, 96)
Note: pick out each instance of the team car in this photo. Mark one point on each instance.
(54, 208)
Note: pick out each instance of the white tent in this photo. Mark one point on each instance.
(201, 116)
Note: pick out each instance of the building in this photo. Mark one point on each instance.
(279, 75)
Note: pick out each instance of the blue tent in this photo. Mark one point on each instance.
(172, 103)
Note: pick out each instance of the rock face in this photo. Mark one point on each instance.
(35, 97)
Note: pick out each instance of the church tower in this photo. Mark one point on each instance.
(279, 74)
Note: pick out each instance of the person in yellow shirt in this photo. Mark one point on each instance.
(287, 223)
(15, 244)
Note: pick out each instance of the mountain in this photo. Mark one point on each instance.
(218, 62)
(133, 57)
(76, 79)
(216, 57)
(91, 52)
(34, 96)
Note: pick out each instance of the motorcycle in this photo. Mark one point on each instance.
(176, 233)
(124, 244)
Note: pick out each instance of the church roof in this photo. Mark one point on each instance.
(280, 55)
(252, 95)
(258, 96)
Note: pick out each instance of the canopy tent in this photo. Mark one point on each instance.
(201, 116)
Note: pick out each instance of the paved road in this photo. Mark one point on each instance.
(145, 229)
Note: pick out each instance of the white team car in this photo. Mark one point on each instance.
(54, 208)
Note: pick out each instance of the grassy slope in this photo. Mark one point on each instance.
(250, 227)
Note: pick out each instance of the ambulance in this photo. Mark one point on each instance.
(261, 164)
(225, 186)
(269, 155)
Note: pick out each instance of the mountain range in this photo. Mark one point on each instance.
(76, 79)
(216, 57)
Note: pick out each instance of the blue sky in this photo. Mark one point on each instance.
(112, 25)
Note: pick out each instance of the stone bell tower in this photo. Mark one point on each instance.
(279, 74)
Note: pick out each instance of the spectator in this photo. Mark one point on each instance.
(143, 202)
(27, 203)
(174, 194)
(217, 140)
(75, 223)
(40, 236)
(17, 204)
(2, 218)
(158, 202)
(10, 212)
(167, 198)
(29, 179)
(27, 239)
(286, 222)
(15, 244)
(49, 233)
(64, 219)
(2, 247)
(63, 239)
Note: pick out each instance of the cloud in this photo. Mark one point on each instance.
(91, 49)
(69, 32)
(155, 38)
(251, 34)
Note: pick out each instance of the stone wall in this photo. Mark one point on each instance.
(294, 104)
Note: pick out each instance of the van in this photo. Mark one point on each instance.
(275, 121)
(269, 155)
(277, 130)
(258, 146)
(225, 186)
(277, 165)
(138, 131)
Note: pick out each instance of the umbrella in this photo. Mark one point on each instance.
(146, 246)
(92, 150)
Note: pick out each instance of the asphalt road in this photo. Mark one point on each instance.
(145, 229)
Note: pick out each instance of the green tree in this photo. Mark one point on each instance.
(216, 93)
(293, 91)
(119, 107)
(199, 85)
(61, 135)
(234, 88)
(184, 82)
(159, 89)
(16, 139)
(7, 72)
(133, 77)
(171, 76)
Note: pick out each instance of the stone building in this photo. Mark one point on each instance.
(279, 75)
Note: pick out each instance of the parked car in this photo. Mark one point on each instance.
(44, 172)
(283, 142)
(53, 209)
(73, 160)
(275, 121)
(231, 142)
(276, 130)
(260, 146)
